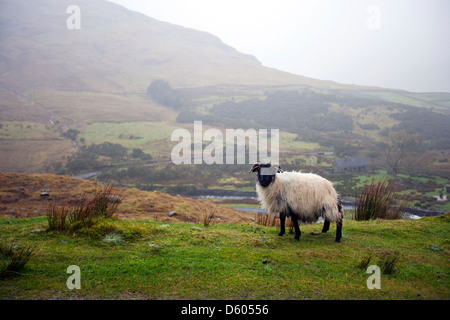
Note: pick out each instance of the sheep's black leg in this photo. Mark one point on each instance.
(282, 224)
(326, 226)
(338, 231)
(294, 220)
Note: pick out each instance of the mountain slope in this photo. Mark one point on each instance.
(117, 50)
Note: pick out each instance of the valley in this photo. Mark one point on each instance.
(79, 101)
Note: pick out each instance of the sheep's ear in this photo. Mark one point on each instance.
(255, 167)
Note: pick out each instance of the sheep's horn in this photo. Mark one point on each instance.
(255, 166)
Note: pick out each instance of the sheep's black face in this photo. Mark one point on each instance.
(266, 173)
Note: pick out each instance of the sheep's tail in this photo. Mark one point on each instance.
(334, 212)
(340, 207)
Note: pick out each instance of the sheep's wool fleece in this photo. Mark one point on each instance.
(309, 195)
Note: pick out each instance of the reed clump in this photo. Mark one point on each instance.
(381, 200)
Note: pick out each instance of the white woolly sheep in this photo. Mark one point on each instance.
(301, 196)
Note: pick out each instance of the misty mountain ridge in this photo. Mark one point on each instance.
(116, 50)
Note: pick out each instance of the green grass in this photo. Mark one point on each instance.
(427, 178)
(438, 100)
(287, 140)
(185, 261)
(444, 207)
(128, 134)
(151, 137)
(15, 130)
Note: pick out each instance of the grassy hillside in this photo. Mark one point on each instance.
(233, 257)
(231, 261)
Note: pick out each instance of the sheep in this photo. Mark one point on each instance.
(301, 196)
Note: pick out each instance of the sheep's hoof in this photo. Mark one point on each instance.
(297, 238)
(281, 234)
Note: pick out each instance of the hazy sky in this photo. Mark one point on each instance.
(401, 44)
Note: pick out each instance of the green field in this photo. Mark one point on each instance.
(129, 134)
(423, 100)
(158, 260)
(16, 130)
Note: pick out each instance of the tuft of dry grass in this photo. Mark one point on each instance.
(266, 219)
(389, 263)
(17, 259)
(207, 218)
(57, 217)
(364, 263)
(208, 214)
(103, 205)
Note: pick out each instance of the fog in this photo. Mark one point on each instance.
(400, 44)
